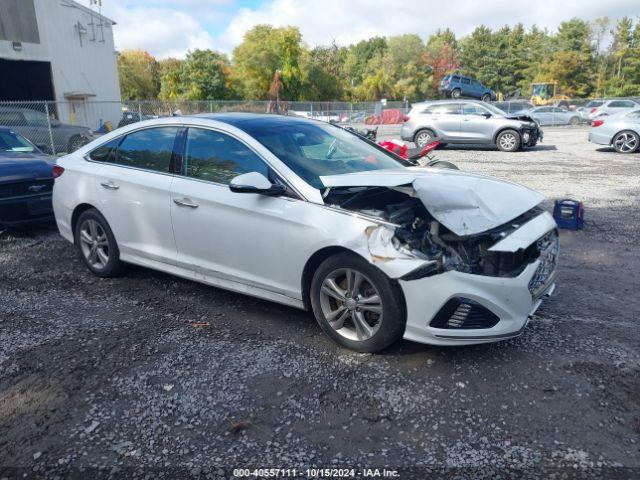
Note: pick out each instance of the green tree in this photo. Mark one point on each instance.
(264, 50)
(139, 75)
(322, 77)
(359, 55)
(170, 81)
(205, 75)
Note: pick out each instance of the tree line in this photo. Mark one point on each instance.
(588, 59)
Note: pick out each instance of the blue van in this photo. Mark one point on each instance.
(456, 86)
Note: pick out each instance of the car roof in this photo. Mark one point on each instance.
(244, 120)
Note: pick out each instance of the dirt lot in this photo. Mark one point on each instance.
(114, 377)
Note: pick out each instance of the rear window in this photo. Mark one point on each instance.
(594, 104)
(456, 78)
(12, 142)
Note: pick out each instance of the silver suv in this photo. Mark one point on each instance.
(469, 122)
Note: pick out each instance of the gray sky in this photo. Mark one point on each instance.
(172, 27)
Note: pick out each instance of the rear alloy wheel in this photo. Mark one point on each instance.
(574, 121)
(508, 141)
(626, 142)
(75, 143)
(423, 138)
(455, 93)
(96, 244)
(356, 304)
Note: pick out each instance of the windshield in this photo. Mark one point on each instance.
(493, 109)
(12, 142)
(313, 150)
(543, 90)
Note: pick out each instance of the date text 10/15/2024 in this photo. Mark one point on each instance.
(314, 473)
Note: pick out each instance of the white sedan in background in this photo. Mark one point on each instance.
(621, 131)
(310, 215)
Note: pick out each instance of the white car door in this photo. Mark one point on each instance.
(240, 237)
(134, 184)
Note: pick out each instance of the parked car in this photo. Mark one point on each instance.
(554, 116)
(621, 131)
(469, 122)
(34, 125)
(611, 107)
(590, 107)
(308, 214)
(456, 86)
(513, 107)
(129, 117)
(26, 180)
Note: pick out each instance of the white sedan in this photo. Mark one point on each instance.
(310, 215)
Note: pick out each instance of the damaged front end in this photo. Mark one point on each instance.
(530, 130)
(410, 232)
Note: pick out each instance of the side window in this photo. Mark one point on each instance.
(428, 110)
(466, 81)
(472, 109)
(36, 119)
(217, 157)
(455, 78)
(149, 149)
(12, 119)
(448, 109)
(621, 104)
(105, 152)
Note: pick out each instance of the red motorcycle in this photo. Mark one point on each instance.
(402, 151)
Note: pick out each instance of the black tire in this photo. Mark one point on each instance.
(424, 137)
(486, 98)
(626, 141)
(503, 143)
(574, 121)
(393, 321)
(113, 265)
(442, 164)
(455, 93)
(75, 143)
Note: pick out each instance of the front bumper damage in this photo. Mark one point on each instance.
(474, 256)
(511, 301)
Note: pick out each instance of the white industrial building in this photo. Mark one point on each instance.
(63, 51)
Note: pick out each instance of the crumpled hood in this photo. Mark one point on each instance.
(465, 203)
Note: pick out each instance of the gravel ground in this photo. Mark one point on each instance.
(152, 375)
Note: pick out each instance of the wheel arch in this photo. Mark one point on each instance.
(502, 129)
(81, 208)
(320, 256)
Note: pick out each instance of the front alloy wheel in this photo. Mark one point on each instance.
(356, 304)
(351, 304)
(626, 142)
(508, 141)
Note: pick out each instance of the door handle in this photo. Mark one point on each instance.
(185, 202)
(110, 185)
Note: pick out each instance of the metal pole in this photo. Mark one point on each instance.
(53, 145)
(139, 112)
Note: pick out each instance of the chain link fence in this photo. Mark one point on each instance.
(62, 127)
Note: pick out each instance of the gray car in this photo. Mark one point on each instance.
(611, 107)
(621, 131)
(554, 116)
(469, 122)
(34, 126)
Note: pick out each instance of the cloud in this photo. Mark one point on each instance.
(164, 32)
(170, 28)
(350, 21)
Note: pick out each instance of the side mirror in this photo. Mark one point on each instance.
(487, 115)
(254, 182)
